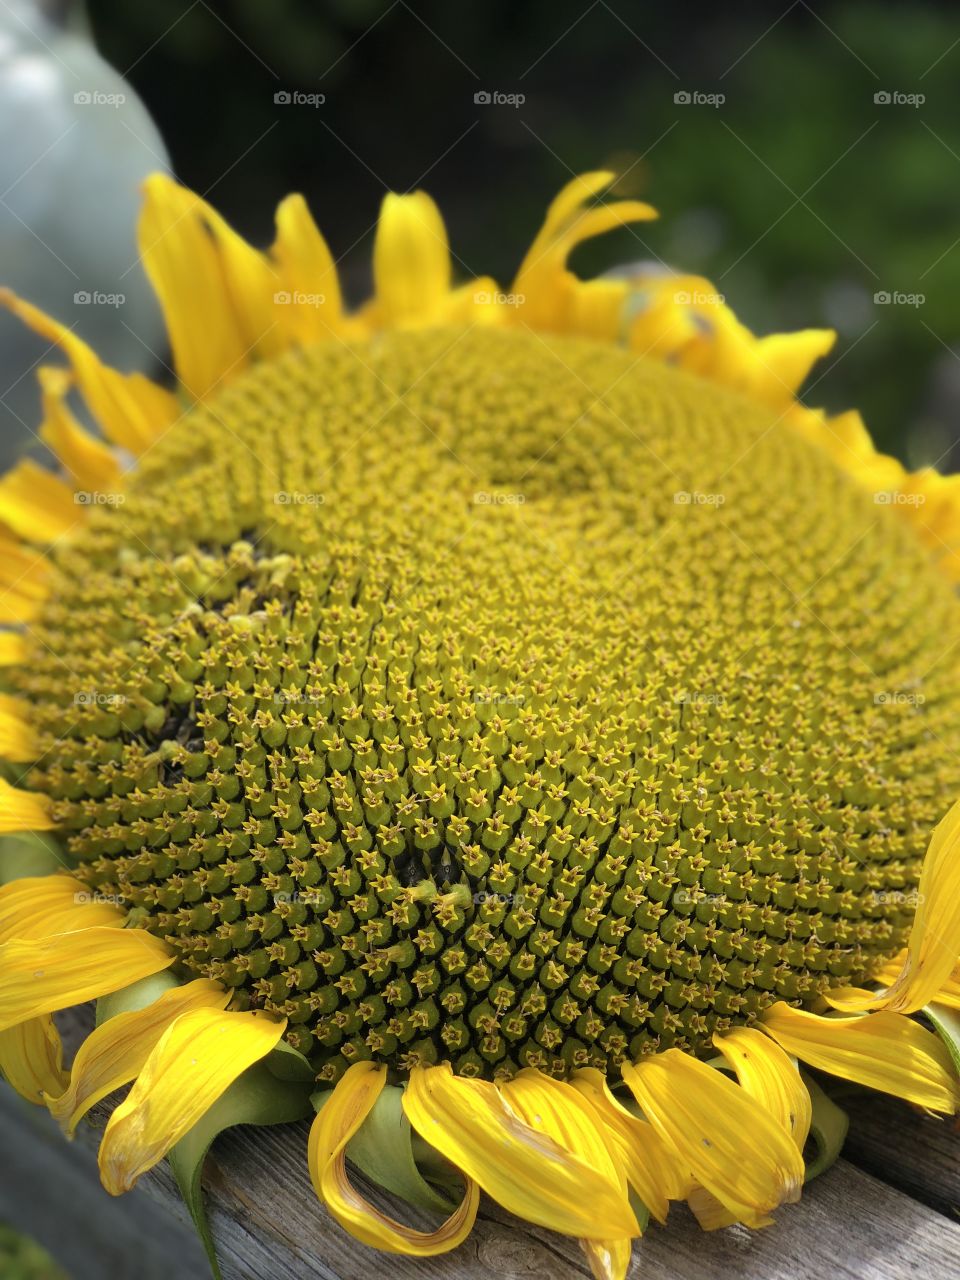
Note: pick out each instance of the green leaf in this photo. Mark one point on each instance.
(287, 1063)
(383, 1150)
(828, 1129)
(137, 996)
(258, 1098)
(946, 1022)
(29, 853)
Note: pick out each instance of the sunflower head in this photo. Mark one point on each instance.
(503, 701)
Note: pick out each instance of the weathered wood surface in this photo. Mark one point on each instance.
(891, 1218)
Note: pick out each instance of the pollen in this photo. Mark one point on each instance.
(498, 699)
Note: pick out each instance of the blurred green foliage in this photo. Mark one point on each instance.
(21, 1259)
(800, 195)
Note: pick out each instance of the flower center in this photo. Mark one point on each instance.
(482, 697)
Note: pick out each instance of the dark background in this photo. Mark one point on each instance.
(800, 196)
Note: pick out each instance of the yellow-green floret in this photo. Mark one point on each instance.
(482, 697)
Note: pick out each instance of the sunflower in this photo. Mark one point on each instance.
(507, 722)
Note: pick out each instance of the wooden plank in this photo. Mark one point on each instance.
(49, 1190)
(918, 1154)
(269, 1225)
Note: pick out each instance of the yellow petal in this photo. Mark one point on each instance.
(131, 410)
(17, 741)
(314, 308)
(36, 504)
(24, 585)
(41, 906)
(565, 205)
(23, 810)
(884, 1051)
(215, 290)
(92, 464)
(31, 1058)
(195, 1060)
(23, 568)
(411, 261)
(730, 1144)
(553, 298)
(338, 1120)
(787, 358)
(608, 1259)
(647, 1160)
(770, 1076)
(43, 975)
(13, 647)
(934, 942)
(116, 1051)
(523, 1169)
(563, 1114)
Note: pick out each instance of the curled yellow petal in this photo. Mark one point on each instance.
(41, 906)
(23, 810)
(769, 1075)
(92, 465)
(337, 1121)
(521, 1167)
(215, 290)
(13, 646)
(17, 740)
(312, 308)
(37, 505)
(883, 1050)
(731, 1145)
(566, 1116)
(131, 410)
(45, 974)
(31, 1058)
(647, 1161)
(553, 299)
(411, 261)
(934, 942)
(195, 1060)
(115, 1052)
